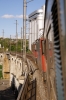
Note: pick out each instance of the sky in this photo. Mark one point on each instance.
(12, 10)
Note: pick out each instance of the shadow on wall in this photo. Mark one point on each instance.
(14, 88)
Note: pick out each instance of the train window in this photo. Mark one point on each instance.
(43, 47)
(50, 42)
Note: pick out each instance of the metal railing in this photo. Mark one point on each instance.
(28, 90)
(24, 89)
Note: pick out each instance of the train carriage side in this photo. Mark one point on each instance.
(55, 26)
(38, 53)
(43, 58)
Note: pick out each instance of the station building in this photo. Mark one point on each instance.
(36, 25)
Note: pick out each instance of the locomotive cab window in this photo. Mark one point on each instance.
(42, 42)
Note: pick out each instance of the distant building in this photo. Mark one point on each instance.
(36, 25)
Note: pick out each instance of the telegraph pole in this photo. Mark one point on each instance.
(24, 29)
(21, 41)
(3, 40)
(16, 37)
(22, 50)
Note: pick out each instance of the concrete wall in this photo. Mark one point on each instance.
(6, 67)
(16, 70)
(12, 69)
(1, 58)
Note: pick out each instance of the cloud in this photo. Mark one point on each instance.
(8, 16)
(12, 16)
(19, 16)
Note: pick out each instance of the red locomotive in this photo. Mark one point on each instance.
(40, 58)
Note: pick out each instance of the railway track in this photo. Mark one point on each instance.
(53, 92)
(31, 59)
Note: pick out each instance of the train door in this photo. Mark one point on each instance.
(59, 47)
(58, 13)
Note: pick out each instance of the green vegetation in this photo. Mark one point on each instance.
(0, 66)
(1, 74)
(10, 45)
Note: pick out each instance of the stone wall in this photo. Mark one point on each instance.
(6, 67)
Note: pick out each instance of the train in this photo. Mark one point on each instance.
(49, 50)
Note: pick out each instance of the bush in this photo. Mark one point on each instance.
(1, 74)
(0, 66)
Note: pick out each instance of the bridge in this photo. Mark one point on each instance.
(16, 85)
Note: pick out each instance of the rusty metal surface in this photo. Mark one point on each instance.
(56, 8)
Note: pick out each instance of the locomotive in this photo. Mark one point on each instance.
(50, 50)
(38, 53)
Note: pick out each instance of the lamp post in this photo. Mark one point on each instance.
(16, 37)
(24, 30)
(21, 41)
